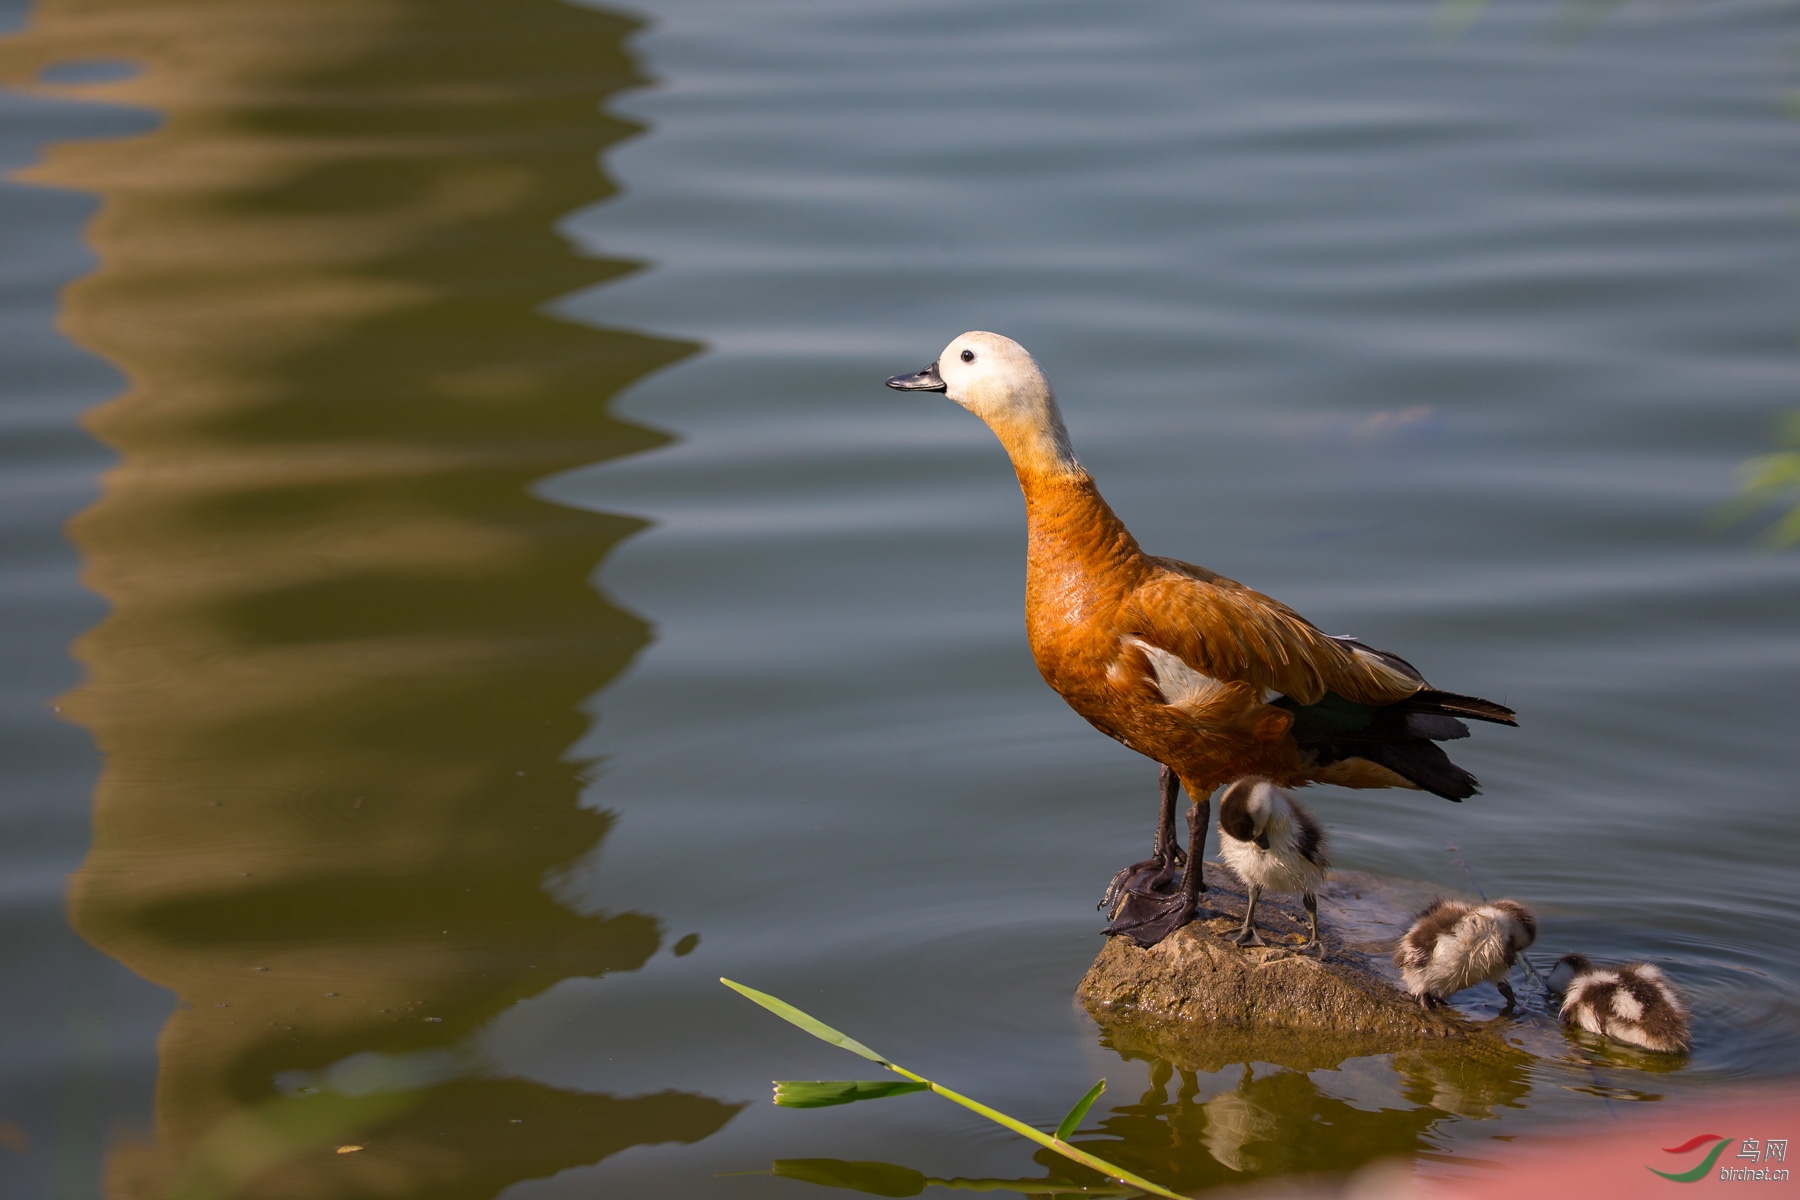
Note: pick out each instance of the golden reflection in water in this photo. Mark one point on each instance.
(348, 648)
(1190, 1132)
(1279, 1120)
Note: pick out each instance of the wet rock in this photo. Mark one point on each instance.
(1201, 1001)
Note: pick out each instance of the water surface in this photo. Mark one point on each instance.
(512, 567)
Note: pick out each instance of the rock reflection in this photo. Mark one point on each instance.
(1463, 1085)
(889, 1179)
(348, 647)
(1197, 1128)
(1187, 1131)
(1296, 1107)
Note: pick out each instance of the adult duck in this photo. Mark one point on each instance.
(1211, 679)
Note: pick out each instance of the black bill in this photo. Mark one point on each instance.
(927, 380)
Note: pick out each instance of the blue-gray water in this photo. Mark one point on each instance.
(510, 563)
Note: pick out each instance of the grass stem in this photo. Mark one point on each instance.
(826, 1033)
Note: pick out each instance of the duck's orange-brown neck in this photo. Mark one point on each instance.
(1081, 561)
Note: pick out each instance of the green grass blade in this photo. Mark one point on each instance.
(824, 1032)
(823, 1093)
(1073, 1121)
(812, 1025)
(1049, 1143)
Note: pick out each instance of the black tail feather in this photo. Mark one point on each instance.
(1401, 737)
(1425, 764)
(1435, 726)
(1430, 700)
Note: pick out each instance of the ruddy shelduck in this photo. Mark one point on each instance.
(1634, 1004)
(1272, 843)
(1453, 945)
(1212, 680)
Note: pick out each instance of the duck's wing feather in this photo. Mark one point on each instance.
(1230, 632)
(1429, 703)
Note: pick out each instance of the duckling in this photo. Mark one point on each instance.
(1210, 679)
(1634, 1004)
(1454, 945)
(1270, 842)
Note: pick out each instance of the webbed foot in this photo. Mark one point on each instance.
(1249, 937)
(1158, 873)
(1148, 919)
(1153, 875)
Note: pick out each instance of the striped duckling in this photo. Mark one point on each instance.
(1273, 844)
(1634, 1004)
(1454, 945)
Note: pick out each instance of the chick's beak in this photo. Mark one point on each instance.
(927, 380)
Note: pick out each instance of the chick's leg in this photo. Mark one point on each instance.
(1247, 936)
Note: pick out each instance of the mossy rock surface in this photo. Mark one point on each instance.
(1200, 1000)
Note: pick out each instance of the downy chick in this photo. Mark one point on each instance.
(1454, 945)
(1273, 844)
(1634, 1004)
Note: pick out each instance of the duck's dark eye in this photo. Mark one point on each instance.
(968, 356)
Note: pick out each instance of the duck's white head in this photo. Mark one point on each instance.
(997, 379)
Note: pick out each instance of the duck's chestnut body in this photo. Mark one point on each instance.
(1211, 679)
(1187, 667)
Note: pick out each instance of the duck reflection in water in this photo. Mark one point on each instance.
(1206, 1123)
(349, 649)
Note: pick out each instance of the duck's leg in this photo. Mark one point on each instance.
(1156, 872)
(1168, 850)
(1247, 936)
(1149, 919)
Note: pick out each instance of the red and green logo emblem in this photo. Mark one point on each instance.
(1687, 1147)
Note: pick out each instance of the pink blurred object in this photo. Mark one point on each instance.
(1701, 1150)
